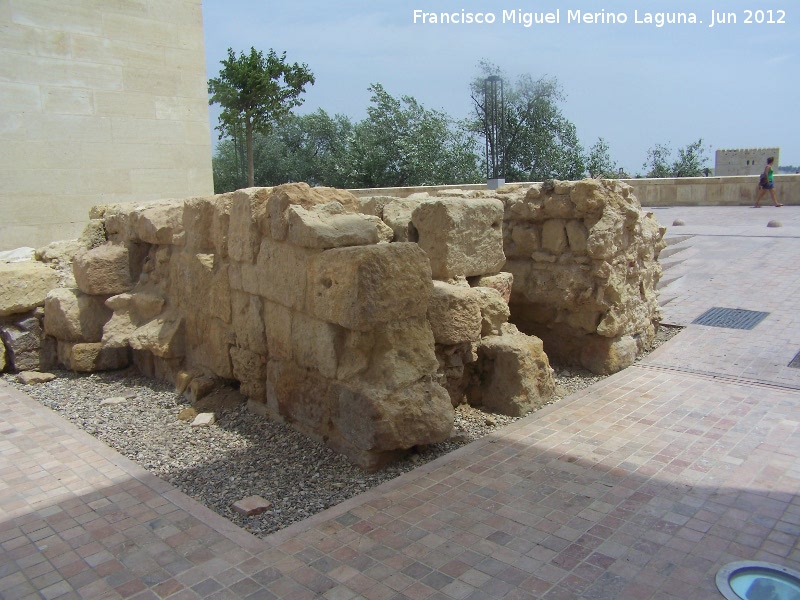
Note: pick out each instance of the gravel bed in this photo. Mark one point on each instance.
(242, 454)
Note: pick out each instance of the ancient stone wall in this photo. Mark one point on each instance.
(583, 257)
(301, 301)
(361, 322)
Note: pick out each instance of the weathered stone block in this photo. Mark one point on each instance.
(397, 215)
(248, 322)
(248, 215)
(22, 340)
(160, 224)
(90, 357)
(278, 328)
(314, 344)
(328, 226)
(502, 282)
(205, 221)
(604, 355)
(300, 397)
(362, 287)
(493, 309)
(400, 353)
(418, 414)
(461, 237)
(251, 371)
(513, 372)
(281, 272)
(524, 240)
(24, 285)
(301, 194)
(554, 236)
(577, 236)
(104, 270)
(163, 337)
(72, 316)
(454, 314)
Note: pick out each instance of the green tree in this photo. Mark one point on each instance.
(310, 148)
(402, 143)
(690, 161)
(540, 143)
(256, 92)
(599, 163)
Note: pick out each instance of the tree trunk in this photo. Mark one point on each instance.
(250, 169)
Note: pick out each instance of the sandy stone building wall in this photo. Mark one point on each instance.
(99, 102)
(747, 161)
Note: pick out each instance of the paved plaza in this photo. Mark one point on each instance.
(639, 487)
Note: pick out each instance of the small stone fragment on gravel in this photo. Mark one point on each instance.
(252, 505)
(113, 400)
(203, 420)
(31, 377)
(187, 414)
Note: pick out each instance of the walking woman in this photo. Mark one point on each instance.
(766, 183)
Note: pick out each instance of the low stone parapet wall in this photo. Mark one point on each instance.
(712, 191)
(676, 191)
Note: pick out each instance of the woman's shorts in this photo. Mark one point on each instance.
(769, 186)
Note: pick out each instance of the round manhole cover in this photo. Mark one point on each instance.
(758, 581)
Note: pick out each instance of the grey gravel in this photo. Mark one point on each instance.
(242, 454)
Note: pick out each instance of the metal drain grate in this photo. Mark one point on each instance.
(730, 318)
(795, 364)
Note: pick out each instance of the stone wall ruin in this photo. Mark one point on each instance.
(360, 322)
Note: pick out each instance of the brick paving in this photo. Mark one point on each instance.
(640, 487)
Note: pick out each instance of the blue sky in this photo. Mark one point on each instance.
(634, 84)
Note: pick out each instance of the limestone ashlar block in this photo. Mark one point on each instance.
(278, 330)
(250, 369)
(605, 355)
(554, 236)
(301, 194)
(514, 374)
(454, 313)
(280, 273)
(314, 344)
(299, 397)
(462, 237)
(24, 286)
(22, 340)
(162, 337)
(208, 341)
(206, 221)
(493, 309)
(161, 224)
(397, 215)
(523, 239)
(366, 286)
(89, 357)
(397, 353)
(248, 223)
(104, 270)
(248, 322)
(72, 316)
(199, 285)
(329, 226)
(502, 282)
(418, 414)
(577, 236)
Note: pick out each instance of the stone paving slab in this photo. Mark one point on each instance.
(639, 487)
